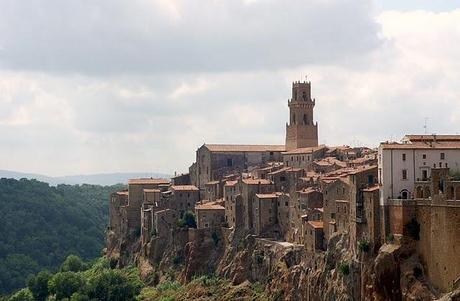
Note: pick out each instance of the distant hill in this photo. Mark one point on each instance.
(93, 179)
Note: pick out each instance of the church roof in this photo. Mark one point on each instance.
(244, 148)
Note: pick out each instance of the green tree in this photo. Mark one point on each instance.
(79, 297)
(22, 295)
(64, 284)
(73, 263)
(112, 285)
(38, 285)
(187, 220)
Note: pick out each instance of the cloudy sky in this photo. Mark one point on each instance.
(115, 86)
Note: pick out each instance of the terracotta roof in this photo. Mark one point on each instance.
(266, 195)
(184, 187)
(304, 150)
(230, 183)
(152, 190)
(364, 168)
(124, 192)
(244, 148)
(209, 206)
(371, 189)
(142, 181)
(414, 138)
(316, 224)
(257, 181)
(342, 201)
(420, 145)
(308, 190)
(212, 183)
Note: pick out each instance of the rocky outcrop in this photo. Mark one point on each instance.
(287, 270)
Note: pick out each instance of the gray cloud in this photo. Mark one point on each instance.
(147, 36)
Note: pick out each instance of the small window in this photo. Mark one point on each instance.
(424, 156)
(271, 153)
(286, 204)
(404, 174)
(229, 162)
(443, 156)
(404, 157)
(283, 179)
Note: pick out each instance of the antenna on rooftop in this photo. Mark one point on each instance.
(425, 126)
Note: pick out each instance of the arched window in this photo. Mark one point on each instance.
(304, 95)
(427, 192)
(293, 118)
(305, 119)
(404, 194)
(419, 192)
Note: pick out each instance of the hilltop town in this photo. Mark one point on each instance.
(312, 221)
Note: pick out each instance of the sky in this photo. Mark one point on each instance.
(122, 86)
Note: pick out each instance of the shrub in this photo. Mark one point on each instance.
(113, 285)
(364, 246)
(73, 263)
(38, 285)
(390, 237)
(187, 220)
(64, 284)
(22, 295)
(344, 268)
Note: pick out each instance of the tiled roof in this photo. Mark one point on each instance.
(257, 181)
(231, 183)
(124, 192)
(212, 183)
(209, 206)
(244, 148)
(142, 181)
(184, 188)
(316, 224)
(415, 138)
(304, 150)
(421, 145)
(371, 189)
(266, 195)
(152, 190)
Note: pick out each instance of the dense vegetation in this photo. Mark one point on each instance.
(41, 225)
(80, 281)
(99, 280)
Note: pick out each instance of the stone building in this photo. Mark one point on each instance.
(301, 131)
(181, 198)
(303, 157)
(249, 188)
(342, 216)
(233, 204)
(265, 212)
(371, 231)
(117, 200)
(213, 161)
(209, 215)
(335, 188)
(314, 236)
(214, 191)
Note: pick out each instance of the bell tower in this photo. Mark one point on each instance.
(301, 131)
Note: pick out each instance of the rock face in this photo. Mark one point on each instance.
(287, 270)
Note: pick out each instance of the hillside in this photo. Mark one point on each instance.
(41, 225)
(93, 179)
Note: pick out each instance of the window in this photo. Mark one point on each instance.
(229, 162)
(283, 179)
(404, 174)
(443, 156)
(404, 157)
(424, 175)
(286, 204)
(271, 153)
(424, 156)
